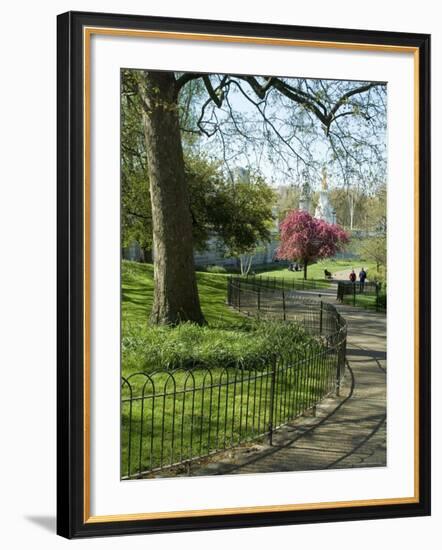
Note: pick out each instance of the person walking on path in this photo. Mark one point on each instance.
(362, 277)
(352, 276)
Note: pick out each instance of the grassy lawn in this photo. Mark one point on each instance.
(228, 340)
(366, 301)
(137, 295)
(316, 271)
(221, 393)
(228, 407)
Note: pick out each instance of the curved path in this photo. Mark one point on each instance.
(348, 431)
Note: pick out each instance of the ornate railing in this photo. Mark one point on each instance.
(171, 418)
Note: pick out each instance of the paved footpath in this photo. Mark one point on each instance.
(348, 431)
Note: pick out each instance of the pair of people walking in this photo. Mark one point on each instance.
(362, 278)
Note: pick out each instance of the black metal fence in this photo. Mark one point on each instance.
(172, 418)
(250, 297)
(368, 294)
(281, 283)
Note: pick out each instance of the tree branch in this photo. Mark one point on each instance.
(300, 97)
(185, 78)
(343, 99)
(218, 100)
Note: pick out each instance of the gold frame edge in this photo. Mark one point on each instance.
(87, 33)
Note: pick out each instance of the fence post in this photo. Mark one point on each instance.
(283, 305)
(272, 400)
(239, 294)
(377, 297)
(320, 318)
(259, 299)
(354, 294)
(341, 361)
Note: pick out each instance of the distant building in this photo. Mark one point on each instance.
(212, 255)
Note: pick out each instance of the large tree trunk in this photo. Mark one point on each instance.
(305, 269)
(175, 290)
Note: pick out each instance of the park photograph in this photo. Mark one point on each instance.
(253, 274)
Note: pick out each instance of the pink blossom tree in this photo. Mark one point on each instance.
(307, 239)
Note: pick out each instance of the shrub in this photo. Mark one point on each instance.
(382, 300)
(247, 345)
(216, 269)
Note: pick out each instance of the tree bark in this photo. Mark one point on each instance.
(245, 263)
(175, 290)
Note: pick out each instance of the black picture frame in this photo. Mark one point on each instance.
(72, 520)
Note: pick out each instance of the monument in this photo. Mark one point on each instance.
(324, 210)
(304, 199)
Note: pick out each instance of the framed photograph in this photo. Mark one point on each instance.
(243, 274)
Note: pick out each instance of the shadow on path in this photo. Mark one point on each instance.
(347, 432)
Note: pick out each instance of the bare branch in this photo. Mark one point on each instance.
(343, 99)
(185, 78)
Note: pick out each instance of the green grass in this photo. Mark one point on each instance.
(229, 406)
(280, 281)
(230, 345)
(366, 301)
(316, 271)
(229, 339)
(137, 295)
(188, 346)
